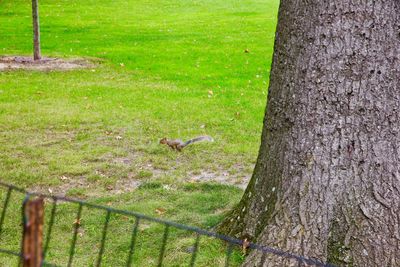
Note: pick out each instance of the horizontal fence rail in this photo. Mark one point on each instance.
(56, 200)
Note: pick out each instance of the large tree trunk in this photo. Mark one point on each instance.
(327, 180)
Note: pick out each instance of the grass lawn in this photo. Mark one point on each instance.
(170, 68)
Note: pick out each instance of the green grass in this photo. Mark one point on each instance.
(201, 205)
(94, 133)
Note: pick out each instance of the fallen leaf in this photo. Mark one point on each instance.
(122, 64)
(245, 245)
(160, 211)
(77, 222)
(109, 187)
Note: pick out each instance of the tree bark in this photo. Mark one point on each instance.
(327, 180)
(36, 30)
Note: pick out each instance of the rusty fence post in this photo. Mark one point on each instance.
(33, 233)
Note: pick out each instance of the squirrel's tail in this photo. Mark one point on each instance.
(198, 139)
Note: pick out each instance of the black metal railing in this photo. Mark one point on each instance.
(231, 243)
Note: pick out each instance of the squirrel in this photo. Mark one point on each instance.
(177, 144)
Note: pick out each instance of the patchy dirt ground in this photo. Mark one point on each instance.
(131, 184)
(222, 178)
(45, 64)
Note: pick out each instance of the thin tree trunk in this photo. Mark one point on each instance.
(36, 30)
(327, 180)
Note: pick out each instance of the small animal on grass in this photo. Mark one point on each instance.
(177, 144)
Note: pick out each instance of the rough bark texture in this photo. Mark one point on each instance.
(327, 181)
(36, 30)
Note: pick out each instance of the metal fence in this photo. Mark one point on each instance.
(54, 201)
